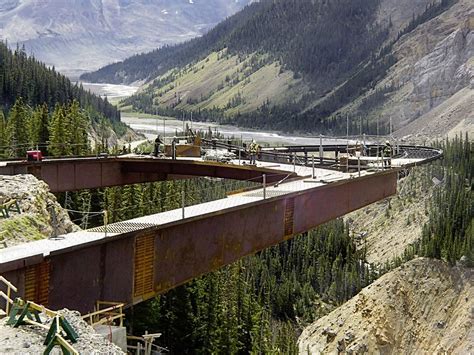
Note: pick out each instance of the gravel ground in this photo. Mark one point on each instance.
(29, 339)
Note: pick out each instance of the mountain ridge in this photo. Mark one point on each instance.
(385, 71)
(60, 32)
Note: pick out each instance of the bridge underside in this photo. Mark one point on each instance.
(90, 173)
(136, 266)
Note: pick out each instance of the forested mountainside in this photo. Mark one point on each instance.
(24, 76)
(41, 108)
(79, 36)
(308, 65)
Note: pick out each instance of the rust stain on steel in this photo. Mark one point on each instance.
(206, 245)
(187, 249)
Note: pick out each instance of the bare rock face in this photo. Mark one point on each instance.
(433, 80)
(36, 204)
(424, 306)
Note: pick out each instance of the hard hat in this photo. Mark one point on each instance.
(253, 141)
(387, 142)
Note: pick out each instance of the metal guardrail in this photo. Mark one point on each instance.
(288, 154)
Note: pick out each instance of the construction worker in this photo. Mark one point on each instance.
(387, 154)
(173, 147)
(254, 148)
(158, 142)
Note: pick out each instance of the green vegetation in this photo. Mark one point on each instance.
(24, 77)
(260, 303)
(26, 226)
(221, 81)
(449, 233)
(39, 107)
(62, 132)
(255, 305)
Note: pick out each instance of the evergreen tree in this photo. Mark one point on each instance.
(38, 127)
(3, 134)
(79, 124)
(60, 133)
(17, 131)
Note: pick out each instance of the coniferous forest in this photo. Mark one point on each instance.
(449, 233)
(260, 303)
(42, 108)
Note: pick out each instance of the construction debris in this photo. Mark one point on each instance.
(219, 155)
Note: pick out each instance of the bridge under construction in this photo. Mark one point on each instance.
(134, 260)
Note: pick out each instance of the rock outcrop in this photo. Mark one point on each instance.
(36, 219)
(435, 63)
(425, 306)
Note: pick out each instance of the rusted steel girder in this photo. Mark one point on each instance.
(136, 266)
(88, 173)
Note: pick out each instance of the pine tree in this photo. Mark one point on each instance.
(38, 127)
(3, 134)
(60, 133)
(79, 124)
(17, 131)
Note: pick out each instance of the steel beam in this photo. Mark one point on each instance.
(89, 173)
(135, 266)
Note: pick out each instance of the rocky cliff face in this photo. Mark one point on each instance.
(435, 67)
(35, 220)
(394, 315)
(82, 35)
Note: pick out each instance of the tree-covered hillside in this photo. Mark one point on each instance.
(40, 108)
(22, 76)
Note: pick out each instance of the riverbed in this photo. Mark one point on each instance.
(168, 127)
(151, 127)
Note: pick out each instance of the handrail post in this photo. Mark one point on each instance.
(183, 198)
(294, 162)
(321, 149)
(106, 221)
(358, 164)
(7, 308)
(312, 158)
(264, 180)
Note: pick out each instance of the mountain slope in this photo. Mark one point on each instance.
(23, 76)
(375, 60)
(81, 35)
(394, 315)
